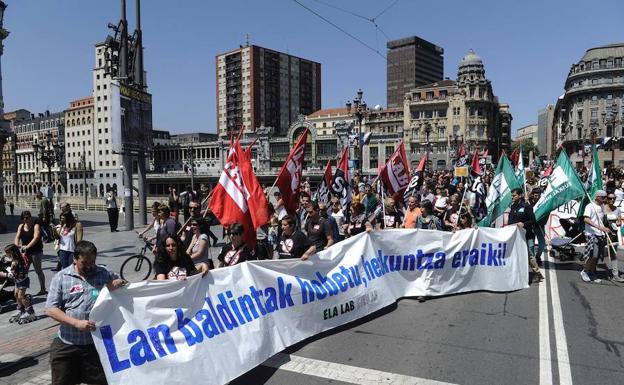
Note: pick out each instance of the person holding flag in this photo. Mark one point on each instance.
(596, 233)
(289, 178)
(521, 214)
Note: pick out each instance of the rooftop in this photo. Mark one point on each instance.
(603, 52)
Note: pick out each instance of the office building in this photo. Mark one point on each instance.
(411, 62)
(259, 87)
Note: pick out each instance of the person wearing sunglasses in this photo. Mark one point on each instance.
(236, 251)
(614, 221)
(28, 236)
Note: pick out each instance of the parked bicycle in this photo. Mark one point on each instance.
(138, 267)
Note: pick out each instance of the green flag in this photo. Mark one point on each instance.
(520, 174)
(560, 187)
(594, 177)
(499, 194)
(538, 162)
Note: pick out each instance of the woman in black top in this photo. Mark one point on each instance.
(28, 236)
(235, 251)
(172, 263)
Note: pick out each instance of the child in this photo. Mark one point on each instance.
(19, 273)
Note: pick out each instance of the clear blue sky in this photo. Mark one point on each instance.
(527, 47)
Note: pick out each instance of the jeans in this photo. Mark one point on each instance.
(541, 239)
(66, 257)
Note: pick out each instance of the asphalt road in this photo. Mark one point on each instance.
(559, 331)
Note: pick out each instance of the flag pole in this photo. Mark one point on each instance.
(203, 216)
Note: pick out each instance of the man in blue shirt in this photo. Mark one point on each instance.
(71, 297)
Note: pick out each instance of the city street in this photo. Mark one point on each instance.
(560, 331)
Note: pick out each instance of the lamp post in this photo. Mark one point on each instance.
(427, 133)
(360, 111)
(83, 159)
(49, 154)
(190, 160)
(609, 120)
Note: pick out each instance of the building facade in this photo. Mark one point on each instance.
(545, 143)
(259, 87)
(438, 117)
(32, 174)
(9, 165)
(592, 106)
(411, 62)
(107, 166)
(79, 154)
(528, 132)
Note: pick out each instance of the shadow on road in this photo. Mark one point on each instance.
(11, 367)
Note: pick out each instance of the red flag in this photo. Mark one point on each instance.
(461, 151)
(485, 153)
(515, 157)
(548, 170)
(422, 164)
(289, 178)
(322, 194)
(327, 177)
(229, 197)
(256, 200)
(238, 198)
(395, 174)
(475, 163)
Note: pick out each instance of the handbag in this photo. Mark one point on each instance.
(57, 245)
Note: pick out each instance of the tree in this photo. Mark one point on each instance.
(527, 146)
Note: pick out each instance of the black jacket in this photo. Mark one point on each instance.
(522, 212)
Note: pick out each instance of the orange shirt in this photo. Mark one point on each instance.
(409, 222)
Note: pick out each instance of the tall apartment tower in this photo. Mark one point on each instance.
(106, 169)
(257, 87)
(411, 62)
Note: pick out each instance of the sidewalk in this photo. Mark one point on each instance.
(24, 349)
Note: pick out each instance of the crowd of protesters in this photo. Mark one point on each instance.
(183, 240)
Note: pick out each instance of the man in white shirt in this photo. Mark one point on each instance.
(596, 234)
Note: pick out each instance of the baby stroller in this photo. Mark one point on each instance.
(564, 248)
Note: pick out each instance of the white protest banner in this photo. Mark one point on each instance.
(212, 329)
(567, 210)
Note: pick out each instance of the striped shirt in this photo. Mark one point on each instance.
(76, 297)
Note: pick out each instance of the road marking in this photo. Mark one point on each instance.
(344, 373)
(545, 363)
(563, 358)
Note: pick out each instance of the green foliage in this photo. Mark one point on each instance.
(527, 146)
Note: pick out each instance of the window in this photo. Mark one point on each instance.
(442, 113)
(594, 113)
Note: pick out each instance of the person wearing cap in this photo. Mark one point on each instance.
(521, 214)
(596, 233)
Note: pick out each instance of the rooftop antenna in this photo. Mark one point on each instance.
(246, 40)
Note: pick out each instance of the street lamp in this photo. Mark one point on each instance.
(427, 132)
(83, 160)
(190, 163)
(360, 112)
(49, 154)
(609, 121)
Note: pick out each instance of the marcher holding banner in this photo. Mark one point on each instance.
(73, 293)
(213, 330)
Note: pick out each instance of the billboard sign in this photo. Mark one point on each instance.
(131, 120)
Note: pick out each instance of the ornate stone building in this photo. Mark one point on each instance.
(31, 173)
(593, 104)
(438, 117)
